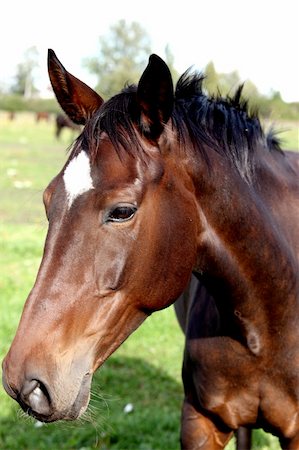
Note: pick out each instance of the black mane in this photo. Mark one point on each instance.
(223, 124)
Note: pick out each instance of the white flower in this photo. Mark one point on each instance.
(11, 172)
(38, 424)
(128, 408)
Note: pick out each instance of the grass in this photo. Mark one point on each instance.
(144, 372)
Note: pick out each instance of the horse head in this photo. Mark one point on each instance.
(116, 250)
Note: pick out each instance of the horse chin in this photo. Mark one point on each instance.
(81, 403)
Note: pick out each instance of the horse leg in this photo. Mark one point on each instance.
(243, 436)
(198, 432)
(58, 131)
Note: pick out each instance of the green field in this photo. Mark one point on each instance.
(145, 371)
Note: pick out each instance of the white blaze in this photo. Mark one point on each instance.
(77, 178)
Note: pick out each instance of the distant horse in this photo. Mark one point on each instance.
(63, 121)
(42, 115)
(158, 185)
(11, 115)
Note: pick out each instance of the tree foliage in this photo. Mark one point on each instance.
(16, 103)
(211, 83)
(24, 78)
(217, 83)
(273, 106)
(123, 54)
(169, 59)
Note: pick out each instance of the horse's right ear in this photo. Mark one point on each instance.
(77, 99)
(155, 97)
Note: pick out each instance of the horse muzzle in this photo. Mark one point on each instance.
(47, 404)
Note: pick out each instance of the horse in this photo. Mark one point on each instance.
(63, 121)
(11, 115)
(42, 115)
(160, 184)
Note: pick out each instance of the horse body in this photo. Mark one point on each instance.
(63, 121)
(156, 187)
(250, 267)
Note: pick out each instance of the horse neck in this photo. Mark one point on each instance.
(242, 253)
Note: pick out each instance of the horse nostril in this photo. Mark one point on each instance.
(35, 395)
(28, 387)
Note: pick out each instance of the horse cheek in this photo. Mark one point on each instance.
(166, 271)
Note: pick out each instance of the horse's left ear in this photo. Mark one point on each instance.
(155, 97)
(77, 99)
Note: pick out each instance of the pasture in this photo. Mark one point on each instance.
(144, 372)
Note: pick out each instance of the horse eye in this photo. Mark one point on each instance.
(121, 213)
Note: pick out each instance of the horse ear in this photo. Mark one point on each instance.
(155, 97)
(77, 99)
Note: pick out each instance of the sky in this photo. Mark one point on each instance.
(259, 38)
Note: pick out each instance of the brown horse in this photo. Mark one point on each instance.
(42, 115)
(160, 185)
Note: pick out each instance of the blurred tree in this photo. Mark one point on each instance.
(123, 54)
(169, 59)
(220, 83)
(228, 82)
(251, 91)
(211, 81)
(24, 78)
